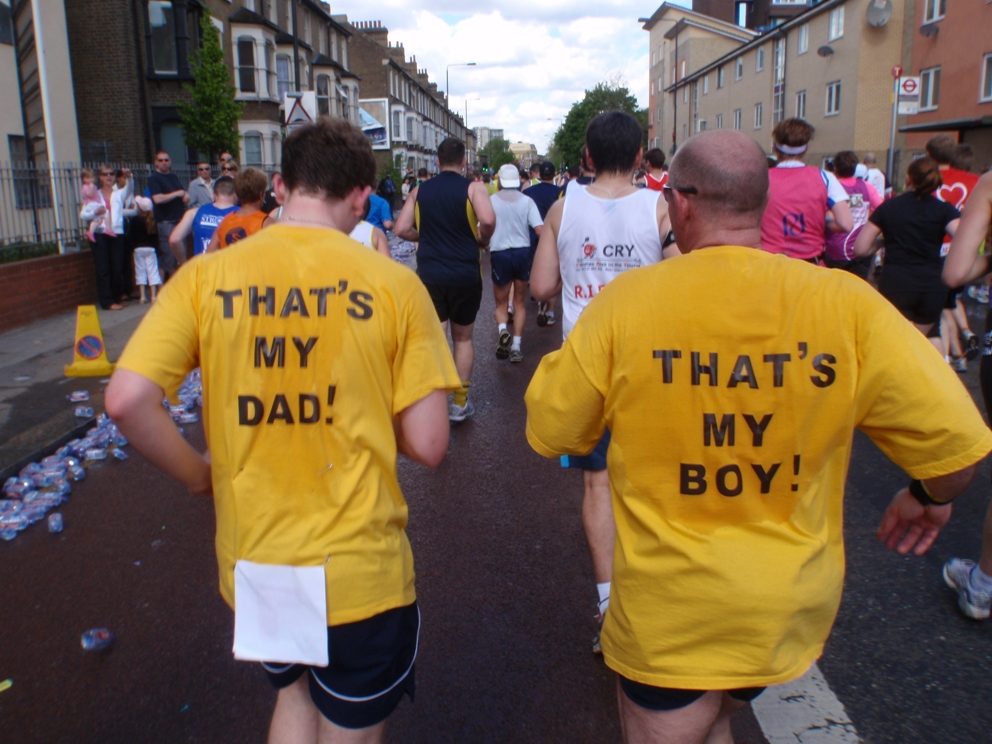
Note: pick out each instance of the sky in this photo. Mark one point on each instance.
(533, 59)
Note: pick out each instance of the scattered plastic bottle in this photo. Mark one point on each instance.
(79, 396)
(96, 639)
(55, 523)
(96, 453)
(7, 533)
(120, 454)
(189, 418)
(83, 412)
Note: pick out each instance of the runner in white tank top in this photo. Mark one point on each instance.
(599, 239)
(595, 233)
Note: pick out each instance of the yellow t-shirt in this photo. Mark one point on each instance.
(310, 344)
(732, 416)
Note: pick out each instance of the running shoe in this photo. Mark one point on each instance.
(970, 345)
(542, 318)
(980, 293)
(457, 414)
(973, 603)
(516, 355)
(959, 364)
(503, 347)
(550, 319)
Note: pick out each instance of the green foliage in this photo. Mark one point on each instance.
(210, 122)
(23, 251)
(496, 153)
(571, 135)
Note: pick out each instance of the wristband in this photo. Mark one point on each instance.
(919, 492)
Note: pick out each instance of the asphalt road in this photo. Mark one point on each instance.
(505, 587)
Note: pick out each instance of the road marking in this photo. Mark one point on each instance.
(804, 711)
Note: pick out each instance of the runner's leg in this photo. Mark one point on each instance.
(597, 518)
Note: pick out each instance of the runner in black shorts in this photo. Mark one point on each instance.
(914, 224)
(451, 217)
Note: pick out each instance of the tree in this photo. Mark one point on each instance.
(611, 95)
(210, 121)
(496, 153)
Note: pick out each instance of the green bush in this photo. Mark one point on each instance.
(22, 251)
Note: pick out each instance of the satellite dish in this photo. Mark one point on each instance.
(879, 12)
(929, 29)
(825, 51)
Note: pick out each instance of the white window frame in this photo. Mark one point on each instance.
(685, 132)
(831, 105)
(759, 115)
(801, 104)
(802, 44)
(719, 121)
(836, 29)
(164, 6)
(759, 59)
(985, 93)
(928, 78)
(323, 96)
(934, 10)
(719, 76)
(261, 149)
(685, 94)
(701, 125)
(738, 69)
(706, 85)
(244, 68)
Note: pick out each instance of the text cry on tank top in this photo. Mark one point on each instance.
(448, 253)
(796, 215)
(599, 239)
(840, 246)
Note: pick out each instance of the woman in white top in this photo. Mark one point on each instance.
(372, 237)
(110, 246)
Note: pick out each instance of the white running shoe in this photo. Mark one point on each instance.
(457, 414)
(973, 603)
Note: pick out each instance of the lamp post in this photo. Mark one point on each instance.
(447, 82)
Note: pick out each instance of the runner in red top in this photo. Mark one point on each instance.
(656, 176)
(959, 343)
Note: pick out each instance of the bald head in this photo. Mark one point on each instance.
(729, 170)
(869, 158)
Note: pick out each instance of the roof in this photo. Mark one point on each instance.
(699, 20)
(950, 125)
(250, 17)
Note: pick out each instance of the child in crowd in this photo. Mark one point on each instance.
(93, 208)
(142, 233)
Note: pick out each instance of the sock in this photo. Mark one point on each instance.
(516, 343)
(461, 396)
(502, 327)
(981, 580)
(550, 313)
(604, 597)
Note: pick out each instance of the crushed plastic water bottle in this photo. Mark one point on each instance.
(79, 396)
(96, 453)
(189, 418)
(96, 639)
(55, 523)
(120, 454)
(83, 412)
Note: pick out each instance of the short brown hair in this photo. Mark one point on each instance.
(250, 184)
(655, 157)
(224, 186)
(451, 152)
(940, 147)
(964, 157)
(86, 173)
(330, 158)
(845, 163)
(925, 176)
(793, 132)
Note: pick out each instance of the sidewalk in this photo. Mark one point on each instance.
(34, 411)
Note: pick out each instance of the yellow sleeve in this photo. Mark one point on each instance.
(423, 362)
(910, 402)
(566, 397)
(166, 345)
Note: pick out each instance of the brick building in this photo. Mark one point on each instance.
(951, 43)
(403, 111)
(130, 61)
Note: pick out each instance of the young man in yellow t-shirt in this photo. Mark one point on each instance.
(731, 431)
(321, 360)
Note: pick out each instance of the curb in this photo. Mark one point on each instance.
(37, 452)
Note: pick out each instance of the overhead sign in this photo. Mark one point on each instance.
(909, 96)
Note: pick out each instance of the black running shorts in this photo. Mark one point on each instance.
(670, 698)
(460, 305)
(371, 667)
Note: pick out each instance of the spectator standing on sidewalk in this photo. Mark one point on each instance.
(201, 188)
(170, 201)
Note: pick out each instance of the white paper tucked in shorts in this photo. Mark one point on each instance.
(280, 614)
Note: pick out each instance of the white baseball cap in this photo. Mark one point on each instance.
(509, 176)
(144, 203)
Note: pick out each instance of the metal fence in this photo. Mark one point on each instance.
(39, 205)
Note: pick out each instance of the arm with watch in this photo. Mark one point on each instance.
(918, 512)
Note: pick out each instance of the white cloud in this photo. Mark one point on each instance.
(533, 59)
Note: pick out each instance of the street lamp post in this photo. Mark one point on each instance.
(447, 83)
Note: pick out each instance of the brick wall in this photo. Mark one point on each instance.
(41, 287)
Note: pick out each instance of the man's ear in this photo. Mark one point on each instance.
(357, 199)
(279, 187)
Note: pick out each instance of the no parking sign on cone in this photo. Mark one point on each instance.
(89, 352)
